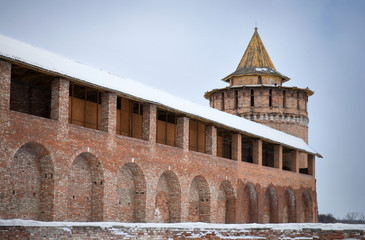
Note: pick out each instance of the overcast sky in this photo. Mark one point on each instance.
(186, 47)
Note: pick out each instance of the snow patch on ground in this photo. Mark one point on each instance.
(66, 229)
(189, 226)
(119, 232)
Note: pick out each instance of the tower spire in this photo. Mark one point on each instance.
(255, 61)
(255, 55)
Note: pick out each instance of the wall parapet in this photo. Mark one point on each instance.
(22, 229)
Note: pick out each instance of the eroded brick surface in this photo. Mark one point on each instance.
(80, 232)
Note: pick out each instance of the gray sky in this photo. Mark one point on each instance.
(186, 47)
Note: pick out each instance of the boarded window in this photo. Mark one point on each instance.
(196, 136)
(129, 118)
(85, 106)
(224, 144)
(30, 92)
(166, 128)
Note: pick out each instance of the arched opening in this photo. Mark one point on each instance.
(32, 183)
(270, 206)
(226, 203)
(307, 207)
(249, 204)
(168, 198)
(131, 194)
(289, 214)
(86, 189)
(199, 200)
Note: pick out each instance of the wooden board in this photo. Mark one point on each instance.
(78, 114)
(201, 137)
(91, 115)
(193, 140)
(161, 132)
(137, 126)
(125, 124)
(170, 134)
(219, 146)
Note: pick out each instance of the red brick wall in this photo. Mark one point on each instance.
(61, 171)
(291, 118)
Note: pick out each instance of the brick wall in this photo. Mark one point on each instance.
(290, 117)
(53, 170)
(180, 232)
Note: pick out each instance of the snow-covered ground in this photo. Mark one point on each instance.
(187, 225)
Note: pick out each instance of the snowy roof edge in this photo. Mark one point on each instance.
(17, 51)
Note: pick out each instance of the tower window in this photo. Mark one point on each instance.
(298, 105)
(259, 80)
(236, 99)
(222, 100)
(284, 99)
(305, 102)
(270, 97)
(252, 98)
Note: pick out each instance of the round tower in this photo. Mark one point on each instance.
(256, 92)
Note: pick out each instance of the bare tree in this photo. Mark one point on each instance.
(351, 216)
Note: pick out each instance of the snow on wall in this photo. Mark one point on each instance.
(21, 52)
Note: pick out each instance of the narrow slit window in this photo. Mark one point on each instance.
(259, 80)
(305, 103)
(252, 98)
(284, 99)
(222, 100)
(236, 99)
(298, 105)
(270, 97)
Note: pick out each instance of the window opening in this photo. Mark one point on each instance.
(211, 99)
(236, 99)
(222, 100)
(267, 154)
(30, 91)
(270, 97)
(85, 106)
(129, 118)
(306, 101)
(166, 127)
(284, 99)
(247, 149)
(224, 144)
(289, 164)
(259, 80)
(252, 98)
(197, 136)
